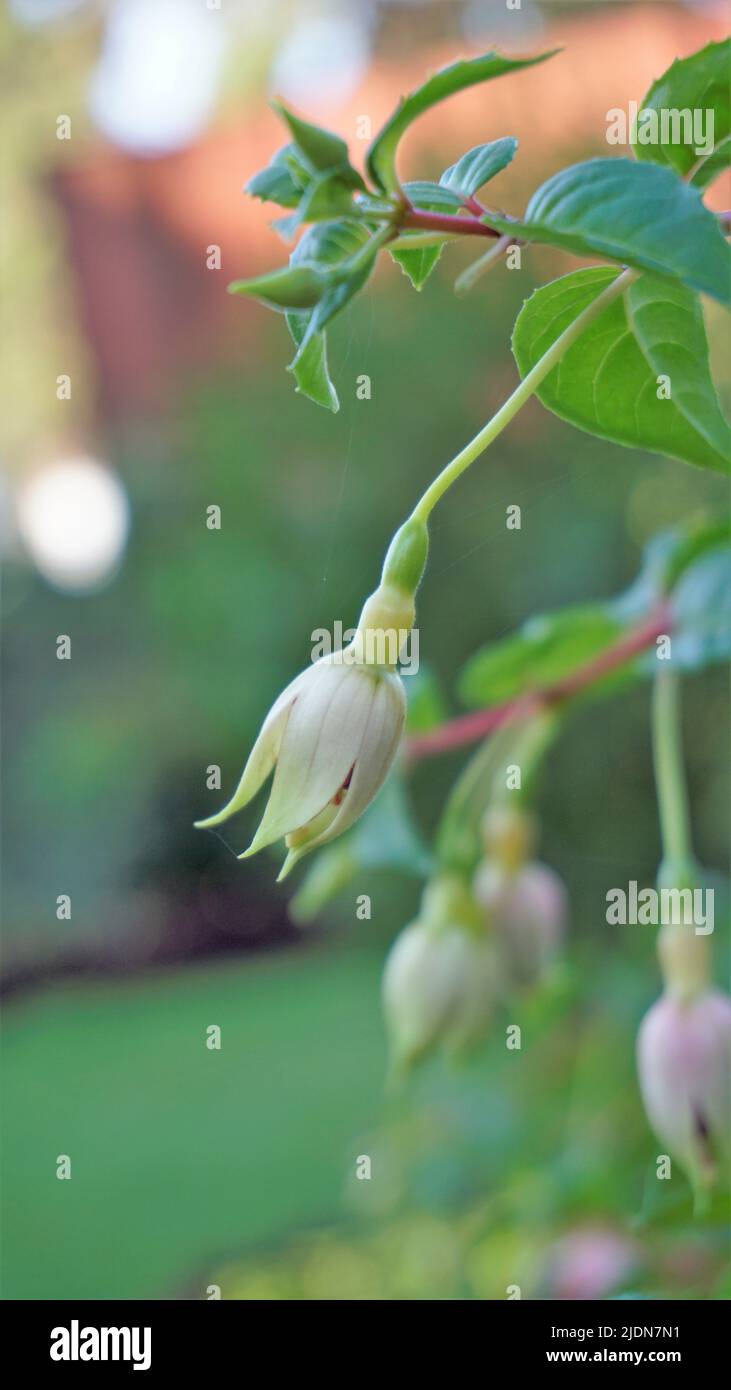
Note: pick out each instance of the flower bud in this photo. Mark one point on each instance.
(294, 287)
(331, 737)
(509, 835)
(685, 956)
(591, 1263)
(527, 911)
(439, 978)
(385, 623)
(684, 1065)
(685, 960)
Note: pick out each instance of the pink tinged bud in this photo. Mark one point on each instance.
(684, 1064)
(527, 912)
(591, 1263)
(331, 736)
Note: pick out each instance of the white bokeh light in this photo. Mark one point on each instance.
(155, 86)
(73, 517)
(322, 62)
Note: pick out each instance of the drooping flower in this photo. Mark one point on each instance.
(527, 910)
(332, 735)
(684, 1065)
(440, 977)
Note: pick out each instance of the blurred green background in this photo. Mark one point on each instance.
(194, 1168)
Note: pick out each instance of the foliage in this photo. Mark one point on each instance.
(642, 215)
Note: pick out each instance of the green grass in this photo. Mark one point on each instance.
(178, 1153)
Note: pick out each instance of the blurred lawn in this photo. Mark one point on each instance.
(180, 1153)
(192, 1166)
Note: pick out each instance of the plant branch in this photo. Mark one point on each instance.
(471, 727)
(454, 224)
(485, 262)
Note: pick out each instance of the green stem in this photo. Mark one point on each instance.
(370, 248)
(421, 241)
(472, 274)
(480, 785)
(522, 393)
(672, 794)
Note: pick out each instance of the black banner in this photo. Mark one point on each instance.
(157, 1338)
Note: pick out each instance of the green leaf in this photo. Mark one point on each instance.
(701, 608)
(315, 195)
(433, 197)
(639, 215)
(696, 539)
(277, 183)
(694, 85)
(325, 197)
(381, 156)
(348, 252)
(666, 556)
(293, 287)
(545, 650)
(419, 264)
(710, 168)
(478, 166)
(606, 382)
(327, 244)
(309, 368)
(323, 150)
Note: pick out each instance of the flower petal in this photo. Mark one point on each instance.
(381, 737)
(263, 755)
(320, 744)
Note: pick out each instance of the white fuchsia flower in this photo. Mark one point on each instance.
(684, 1065)
(331, 737)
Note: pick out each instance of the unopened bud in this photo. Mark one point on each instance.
(685, 960)
(591, 1263)
(684, 1064)
(439, 978)
(685, 955)
(384, 625)
(509, 835)
(527, 912)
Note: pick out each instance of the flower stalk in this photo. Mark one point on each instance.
(521, 394)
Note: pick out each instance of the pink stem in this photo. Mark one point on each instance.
(471, 727)
(445, 222)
